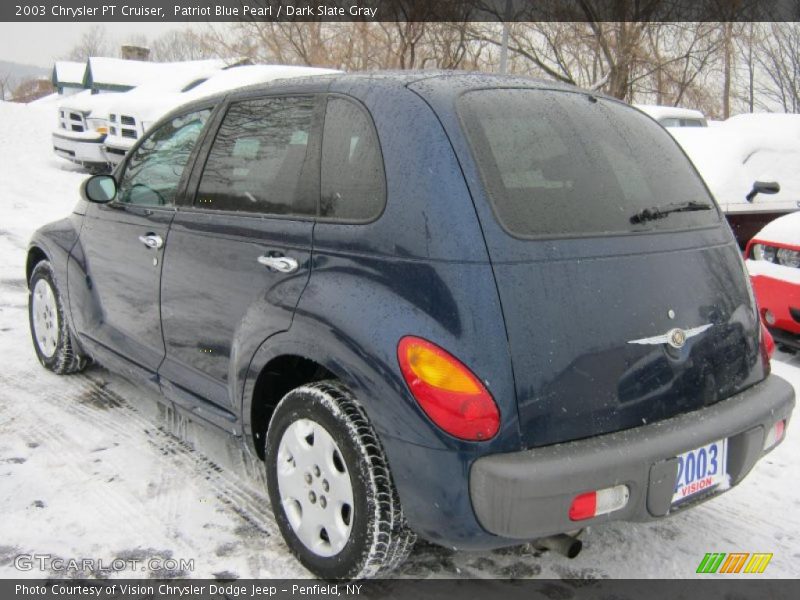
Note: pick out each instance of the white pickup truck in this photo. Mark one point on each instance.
(82, 123)
(81, 129)
(674, 116)
(132, 114)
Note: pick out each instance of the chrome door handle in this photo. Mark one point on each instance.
(152, 241)
(283, 264)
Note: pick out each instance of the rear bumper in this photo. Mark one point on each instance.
(525, 495)
(85, 148)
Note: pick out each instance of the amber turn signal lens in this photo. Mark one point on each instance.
(447, 391)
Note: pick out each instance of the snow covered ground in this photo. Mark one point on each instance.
(93, 467)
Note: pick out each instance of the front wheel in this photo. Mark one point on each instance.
(54, 346)
(330, 486)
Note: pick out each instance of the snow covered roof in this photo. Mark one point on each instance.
(237, 77)
(66, 72)
(117, 74)
(150, 101)
(661, 112)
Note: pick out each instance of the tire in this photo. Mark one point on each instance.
(322, 423)
(54, 345)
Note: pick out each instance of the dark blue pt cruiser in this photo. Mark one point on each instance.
(479, 310)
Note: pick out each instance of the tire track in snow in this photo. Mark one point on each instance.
(92, 396)
(44, 427)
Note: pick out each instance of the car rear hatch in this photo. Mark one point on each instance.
(623, 292)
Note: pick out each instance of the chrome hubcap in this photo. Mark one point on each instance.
(315, 487)
(45, 318)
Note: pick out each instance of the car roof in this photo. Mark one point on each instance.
(438, 83)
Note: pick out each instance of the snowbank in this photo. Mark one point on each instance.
(37, 186)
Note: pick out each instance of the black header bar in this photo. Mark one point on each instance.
(398, 10)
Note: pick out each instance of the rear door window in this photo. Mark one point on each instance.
(564, 164)
(260, 159)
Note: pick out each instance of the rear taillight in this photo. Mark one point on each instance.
(449, 393)
(599, 502)
(767, 342)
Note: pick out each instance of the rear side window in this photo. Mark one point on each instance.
(563, 164)
(259, 161)
(353, 187)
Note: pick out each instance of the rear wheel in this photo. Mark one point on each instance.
(50, 333)
(330, 486)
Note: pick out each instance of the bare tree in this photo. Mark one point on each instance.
(673, 63)
(718, 67)
(6, 85)
(92, 43)
(779, 57)
(186, 44)
(593, 44)
(749, 44)
(31, 89)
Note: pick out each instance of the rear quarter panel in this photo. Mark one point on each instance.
(420, 269)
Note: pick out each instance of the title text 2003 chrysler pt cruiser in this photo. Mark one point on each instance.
(475, 309)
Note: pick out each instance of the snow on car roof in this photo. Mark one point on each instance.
(743, 149)
(174, 83)
(88, 103)
(237, 77)
(660, 112)
(783, 230)
(766, 126)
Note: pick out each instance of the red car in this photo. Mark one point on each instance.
(773, 260)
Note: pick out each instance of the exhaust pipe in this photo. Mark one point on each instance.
(564, 544)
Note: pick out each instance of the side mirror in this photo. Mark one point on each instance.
(99, 189)
(763, 187)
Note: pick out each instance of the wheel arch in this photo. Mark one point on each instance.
(305, 354)
(268, 384)
(35, 255)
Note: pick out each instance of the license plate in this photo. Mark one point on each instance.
(700, 470)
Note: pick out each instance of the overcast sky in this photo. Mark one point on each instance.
(39, 44)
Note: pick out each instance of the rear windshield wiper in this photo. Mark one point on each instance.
(659, 212)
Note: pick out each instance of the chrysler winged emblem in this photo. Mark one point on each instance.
(674, 337)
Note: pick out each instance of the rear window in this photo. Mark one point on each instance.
(564, 164)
